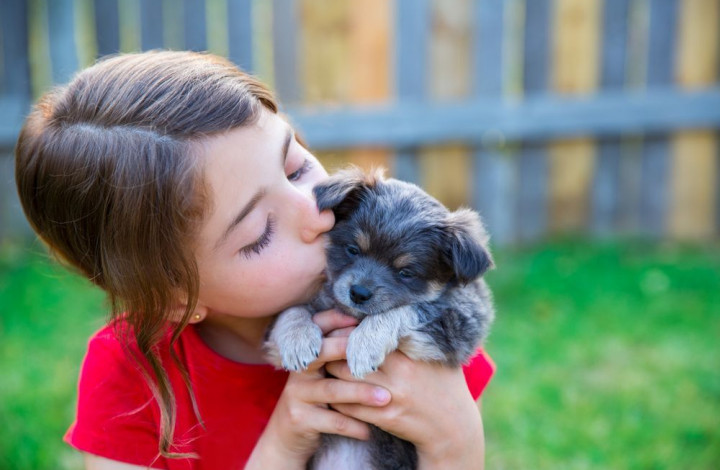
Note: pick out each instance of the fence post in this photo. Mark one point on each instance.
(285, 19)
(240, 44)
(14, 102)
(151, 25)
(493, 171)
(61, 29)
(370, 67)
(655, 157)
(412, 26)
(532, 187)
(575, 72)
(694, 159)
(195, 25)
(107, 27)
(606, 190)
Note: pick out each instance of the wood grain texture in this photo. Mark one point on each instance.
(325, 51)
(494, 167)
(445, 170)
(533, 164)
(655, 158)
(575, 71)
(286, 71)
(694, 160)
(608, 197)
(325, 61)
(370, 23)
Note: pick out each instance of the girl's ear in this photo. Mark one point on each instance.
(342, 192)
(466, 250)
(198, 314)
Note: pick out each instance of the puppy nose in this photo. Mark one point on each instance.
(360, 294)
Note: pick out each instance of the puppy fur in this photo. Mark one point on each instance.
(410, 271)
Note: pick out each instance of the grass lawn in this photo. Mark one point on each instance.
(608, 357)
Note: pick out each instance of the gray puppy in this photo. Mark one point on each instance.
(409, 270)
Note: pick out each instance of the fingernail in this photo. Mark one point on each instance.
(381, 395)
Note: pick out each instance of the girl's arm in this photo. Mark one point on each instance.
(430, 407)
(301, 415)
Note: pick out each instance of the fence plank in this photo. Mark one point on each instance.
(575, 72)
(240, 40)
(107, 27)
(15, 78)
(14, 103)
(285, 19)
(369, 77)
(151, 24)
(606, 189)
(535, 118)
(325, 46)
(655, 158)
(493, 172)
(325, 65)
(412, 25)
(694, 158)
(532, 165)
(445, 170)
(61, 27)
(195, 21)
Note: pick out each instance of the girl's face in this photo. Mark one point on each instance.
(261, 246)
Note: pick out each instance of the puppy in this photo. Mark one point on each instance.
(409, 270)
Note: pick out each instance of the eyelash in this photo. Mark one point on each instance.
(296, 175)
(264, 240)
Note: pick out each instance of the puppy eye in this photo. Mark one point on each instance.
(406, 274)
(352, 250)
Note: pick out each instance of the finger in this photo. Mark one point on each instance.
(365, 414)
(340, 370)
(331, 422)
(332, 349)
(329, 320)
(341, 332)
(334, 391)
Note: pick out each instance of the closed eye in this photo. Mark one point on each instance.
(297, 174)
(264, 240)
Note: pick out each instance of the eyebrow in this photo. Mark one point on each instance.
(257, 197)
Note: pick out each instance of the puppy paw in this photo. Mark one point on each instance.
(301, 347)
(294, 341)
(364, 354)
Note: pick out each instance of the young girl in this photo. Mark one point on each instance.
(170, 181)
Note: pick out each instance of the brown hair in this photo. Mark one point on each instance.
(109, 175)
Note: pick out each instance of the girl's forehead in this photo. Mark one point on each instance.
(238, 163)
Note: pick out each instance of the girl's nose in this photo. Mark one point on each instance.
(314, 223)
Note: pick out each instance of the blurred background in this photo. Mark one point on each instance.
(584, 131)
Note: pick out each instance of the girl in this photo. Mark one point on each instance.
(170, 181)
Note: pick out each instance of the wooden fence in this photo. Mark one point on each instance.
(589, 116)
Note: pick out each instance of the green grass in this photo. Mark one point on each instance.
(46, 316)
(607, 357)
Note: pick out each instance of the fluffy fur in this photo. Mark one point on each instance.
(410, 271)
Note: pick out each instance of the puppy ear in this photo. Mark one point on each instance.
(342, 192)
(466, 250)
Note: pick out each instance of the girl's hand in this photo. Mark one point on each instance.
(302, 414)
(430, 407)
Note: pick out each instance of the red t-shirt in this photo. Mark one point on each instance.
(117, 417)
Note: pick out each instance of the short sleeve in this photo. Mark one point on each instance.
(116, 412)
(478, 373)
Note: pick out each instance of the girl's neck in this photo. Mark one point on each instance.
(238, 339)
